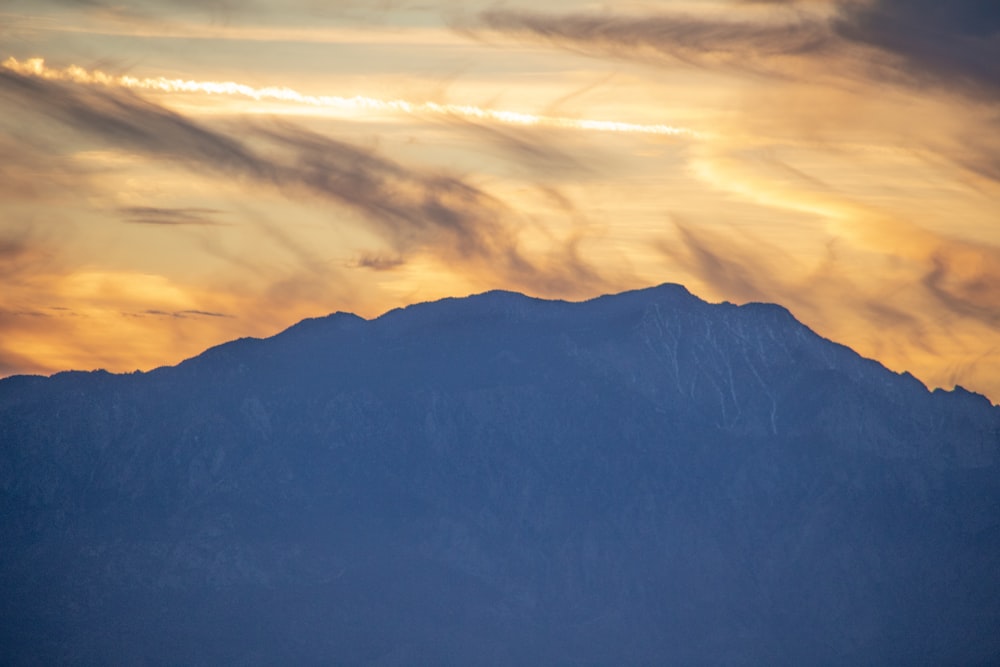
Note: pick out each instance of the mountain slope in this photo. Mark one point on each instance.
(643, 478)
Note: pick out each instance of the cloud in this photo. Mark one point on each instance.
(958, 274)
(429, 211)
(181, 314)
(936, 317)
(855, 68)
(723, 272)
(409, 207)
(678, 38)
(121, 320)
(870, 167)
(965, 280)
(22, 253)
(12, 363)
(378, 262)
(537, 149)
(954, 44)
(128, 121)
(414, 210)
(33, 170)
(151, 215)
(143, 11)
(14, 254)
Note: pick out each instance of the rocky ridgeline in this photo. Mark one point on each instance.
(640, 479)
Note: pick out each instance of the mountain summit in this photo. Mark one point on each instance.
(639, 479)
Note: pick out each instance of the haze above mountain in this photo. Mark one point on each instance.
(640, 479)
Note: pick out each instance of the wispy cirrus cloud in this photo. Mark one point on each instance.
(379, 262)
(777, 47)
(954, 44)
(866, 126)
(936, 316)
(682, 38)
(36, 68)
(422, 218)
(871, 121)
(128, 121)
(33, 170)
(181, 314)
(155, 215)
(951, 44)
(965, 280)
(413, 210)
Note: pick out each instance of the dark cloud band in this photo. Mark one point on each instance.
(954, 44)
(413, 209)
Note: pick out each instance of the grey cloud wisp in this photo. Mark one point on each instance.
(412, 209)
(954, 44)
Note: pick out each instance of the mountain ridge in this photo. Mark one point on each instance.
(347, 319)
(638, 479)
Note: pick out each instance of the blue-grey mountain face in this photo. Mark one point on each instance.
(642, 479)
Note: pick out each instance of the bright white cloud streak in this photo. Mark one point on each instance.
(37, 67)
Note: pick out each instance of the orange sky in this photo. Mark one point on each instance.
(177, 174)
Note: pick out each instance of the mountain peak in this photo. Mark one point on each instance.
(338, 321)
(642, 478)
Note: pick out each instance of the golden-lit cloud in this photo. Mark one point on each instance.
(908, 318)
(424, 218)
(839, 157)
(853, 117)
(909, 42)
(36, 67)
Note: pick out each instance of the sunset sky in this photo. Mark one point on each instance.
(178, 173)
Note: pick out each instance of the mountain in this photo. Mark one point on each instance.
(639, 479)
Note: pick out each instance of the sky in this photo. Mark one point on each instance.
(179, 173)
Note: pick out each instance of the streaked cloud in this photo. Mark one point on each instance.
(33, 169)
(379, 262)
(412, 209)
(953, 43)
(838, 157)
(832, 93)
(35, 67)
(913, 42)
(151, 215)
(181, 314)
(681, 38)
(897, 319)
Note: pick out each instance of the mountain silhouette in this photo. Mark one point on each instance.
(640, 479)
